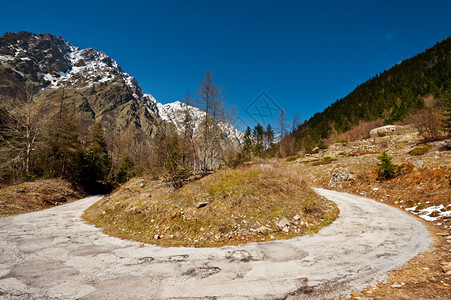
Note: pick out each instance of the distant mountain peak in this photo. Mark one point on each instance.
(53, 63)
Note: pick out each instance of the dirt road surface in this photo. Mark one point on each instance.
(54, 254)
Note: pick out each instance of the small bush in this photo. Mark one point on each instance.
(325, 161)
(420, 150)
(386, 169)
(291, 158)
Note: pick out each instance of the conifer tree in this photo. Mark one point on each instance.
(98, 161)
(269, 136)
(387, 169)
(257, 135)
(247, 143)
(125, 171)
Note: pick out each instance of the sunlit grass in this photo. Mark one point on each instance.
(240, 201)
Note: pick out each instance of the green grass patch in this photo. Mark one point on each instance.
(291, 158)
(417, 151)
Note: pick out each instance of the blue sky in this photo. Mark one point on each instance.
(304, 55)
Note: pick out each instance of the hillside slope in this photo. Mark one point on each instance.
(390, 96)
(423, 189)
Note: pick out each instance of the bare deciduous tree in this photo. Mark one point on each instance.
(211, 101)
(282, 130)
(427, 122)
(21, 135)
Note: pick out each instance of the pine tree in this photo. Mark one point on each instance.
(257, 135)
(98, 161)
(269, 136)
(125, 171)
(64, 154)
(387, 169)
(247, 144)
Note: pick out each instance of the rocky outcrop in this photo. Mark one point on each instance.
(340, 175)
(84, 81)
(390, 130)
(443, 145)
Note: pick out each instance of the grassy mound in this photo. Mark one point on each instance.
(32, 196)
(226, 208)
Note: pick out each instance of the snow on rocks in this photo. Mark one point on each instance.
(432, 213)
(177, 112)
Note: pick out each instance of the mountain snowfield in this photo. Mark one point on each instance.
(68, 65)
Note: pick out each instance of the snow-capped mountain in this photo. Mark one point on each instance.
(52, 62)
(175, 113)
(97, 85)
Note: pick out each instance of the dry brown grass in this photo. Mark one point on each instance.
(423, 277)
(36, 195)
(361, 131)
(240, 202)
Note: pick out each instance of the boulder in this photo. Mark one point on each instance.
(443, 145)
(446, 266)
(202, 204)
(389, 130)
(340, 175)
(264, 229)
(283, 224)
(418, 164)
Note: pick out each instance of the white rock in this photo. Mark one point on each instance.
(418, 164)
(263, 229)
(282, 223)
(240, 255)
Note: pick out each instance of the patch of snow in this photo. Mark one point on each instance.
(426, 212)
(6, 58)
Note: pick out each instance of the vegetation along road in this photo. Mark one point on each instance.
(54, 254)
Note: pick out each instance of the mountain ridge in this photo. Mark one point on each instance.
(390, 96)
(84, 75)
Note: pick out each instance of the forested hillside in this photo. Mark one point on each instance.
(390, 96)
(73, 113)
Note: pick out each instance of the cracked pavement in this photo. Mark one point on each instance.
(54, 254)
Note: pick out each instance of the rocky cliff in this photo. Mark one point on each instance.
(86, 81)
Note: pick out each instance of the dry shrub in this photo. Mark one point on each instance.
(361, 131)
(382, 143)
(427, 122)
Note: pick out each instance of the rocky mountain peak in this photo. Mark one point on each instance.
(99, 86)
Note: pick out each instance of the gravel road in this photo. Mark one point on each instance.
(54, 254)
